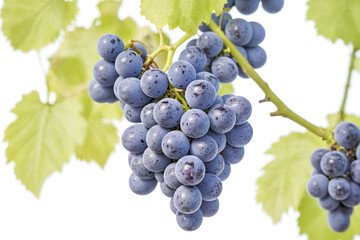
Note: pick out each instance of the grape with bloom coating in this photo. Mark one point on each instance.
(168, 112)
(190, 170)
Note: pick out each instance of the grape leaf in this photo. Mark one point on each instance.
(284, 180)
(313, 222)
(185, 14)
(226, 89)
(357, 65)
(34, 24)
(336, 19)
(42, 138)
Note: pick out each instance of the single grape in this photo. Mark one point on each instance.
(140, 48)
(168, 112)
(200, 94)
(317, 186)
(181, 74)
(339, 189)
(100, 93)
(128, 64)
(241, 107)
(147, 116)
(189, 222)
(210, 187)
(229, 4)
(215, 166)
(166, 190)
(187, 199)
(241, 72)
(315, 172)
(358, 152)
(272, 6)
(220, 139)
(334, 164)
(247, 7)
(195, 56)
(195, 123)
(133, 138)
(170, 177)
(233, 155)
(347, 135)
(141, 186)
(129, 91)
(155, 136)
(116, 86)
(240, 135)
(159, 176)
(256, 56)
(316, 157)
(210, 208)
(328, 203)
(109, 46)
(218, 100)
(354, 197)
(222, 118)
(224, 69)
(242, 51)
(338, 220)
(155, 162)
(130, 156)
(239, 31)
(138, 167)
(172, 206)
(355, 171)
(225, 173)
(132, 114)
(226, 17)
(225, 97)
(258, 34)
(154, 83)
(210, 78)
(204, 28)
(175, 145)
(190, 170)
(104, 73)
(204, 148)
(191, 43)
(210, 43)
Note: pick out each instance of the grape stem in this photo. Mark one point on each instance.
(282, 109)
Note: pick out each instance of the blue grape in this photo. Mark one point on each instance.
(210, 43)
(328, 203)
(190, 170)
(132, 114)
(155, 162)
(195, 123)
(130, 156)
(339, 220)
(215, 166)
(133, 138)
(316, 157)
(166, 190)
(233, 155)
(187, 199)
(210, 78)
(204, 27)
(218, 100)
(175, 145)
(317, 186)
(204, 148)
(240, 135)
(241, 107)
(272, 6)
(109, 46)
(258, 34)
(138, 167)
(172, 206)
(225, 97)
(358, 152)
(222, 118)
(242, 51)
(189, 222)
(241, 72)
(116, 86)
(229, 4)
(128, 64)
(105, 73)
(208, 65)
(129, 92)
(256, 56)
(168, 112)
(181, 74)
(339, 189)
(122, 104)
(210, 187)
(220, 139)
(226, 17)
(247, 7)
(225, 173)
(170, 177)
(147, 116)
(154, 83)
(347, 135)
(355, 171)
(195, 56)
(141, 186)
(210, 208)
(159, 176)
(334, 164)
(354, 197)
(224, 69)
(200, 94)
(315, 172)
(155, 136)
(239, 31)
(141, 48)
(100, 93)
(191, 43)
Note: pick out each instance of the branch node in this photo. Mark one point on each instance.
(266, 99)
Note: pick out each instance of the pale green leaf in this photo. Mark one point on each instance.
(357, 65)
(334, 120)
(43, 138)
(284, 180)
(34, 24)
(336, 19)
(227, 88)
(185, 14)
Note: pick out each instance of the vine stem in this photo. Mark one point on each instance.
(282, 109)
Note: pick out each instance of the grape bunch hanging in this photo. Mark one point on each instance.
(185, 136)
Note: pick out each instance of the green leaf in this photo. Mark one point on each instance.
(226, 89)
(284, 180)
(42, 138)
(313, 222)
(336, 19)
(334, 120)
(34, 24)
(357, 65)
(185, 14)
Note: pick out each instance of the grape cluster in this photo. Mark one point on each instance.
(335, 180)
(185, 136)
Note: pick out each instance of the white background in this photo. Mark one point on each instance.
(307, 72)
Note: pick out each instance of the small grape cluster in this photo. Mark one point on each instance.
(185, 136)
(335, 180)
